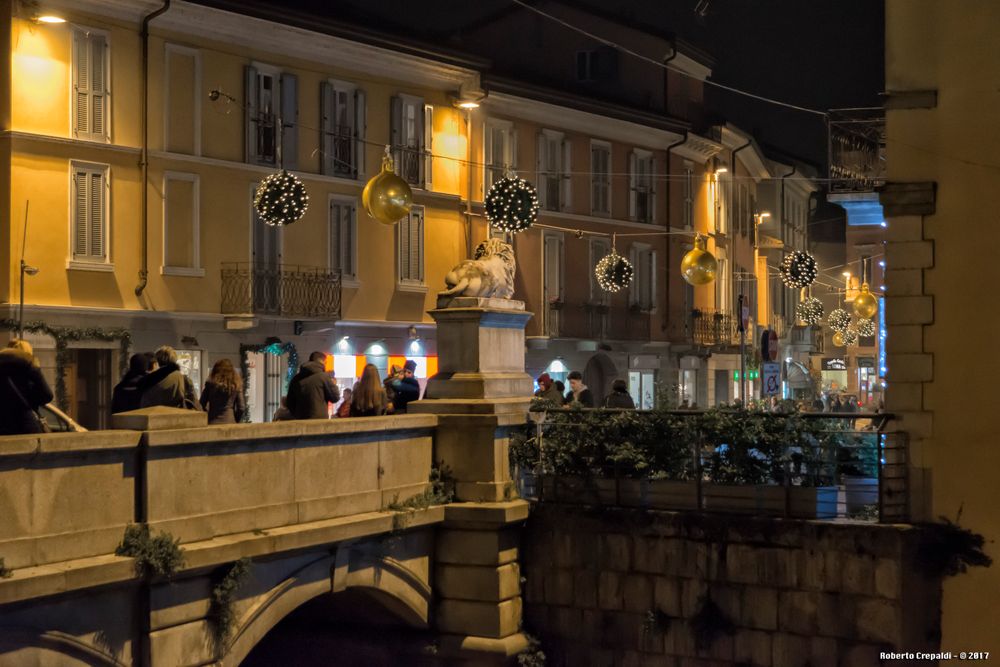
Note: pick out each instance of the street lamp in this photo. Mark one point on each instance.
(29, 270)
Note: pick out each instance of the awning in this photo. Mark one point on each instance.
(797, 375)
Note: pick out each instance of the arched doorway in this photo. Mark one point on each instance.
(598, 375)
(358, 627)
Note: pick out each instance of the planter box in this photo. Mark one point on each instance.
(859, 492)
(806, 502)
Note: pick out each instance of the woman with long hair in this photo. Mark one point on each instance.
(23, 390)
(369, 398)
(222, 397)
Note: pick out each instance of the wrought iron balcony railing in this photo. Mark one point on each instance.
(857, 149)
(282, 290)
(714, 328)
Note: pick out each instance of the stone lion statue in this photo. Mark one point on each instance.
(490, 273)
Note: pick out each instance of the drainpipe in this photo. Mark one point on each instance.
(743, 377)
(666, 77)
(667, 264)
(469, 178)
(144, 152)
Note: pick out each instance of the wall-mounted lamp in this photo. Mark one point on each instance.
(721, 170)
(49, 18)
(468, 97)
(761, 217)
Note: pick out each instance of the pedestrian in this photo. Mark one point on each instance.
(817, 404)
(126, 395)
(561, 389)
(369, 399)
(547, 390)
(167, 385)
(222, 396)
(578, 391)
(405, 388)
(344, 409)
(619, 397)
(311, 390)
(23, 390)
(282, 414)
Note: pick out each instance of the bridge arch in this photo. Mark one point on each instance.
(26, 646)
(397, 588)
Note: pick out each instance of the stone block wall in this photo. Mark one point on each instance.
(632, 587)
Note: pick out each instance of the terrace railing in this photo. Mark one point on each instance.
(804, 465)
(280, 289)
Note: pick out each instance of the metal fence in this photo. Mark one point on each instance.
(844, 466)
(280, 289)
(709, 327)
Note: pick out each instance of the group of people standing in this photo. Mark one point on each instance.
(552, 391)
(156, 379)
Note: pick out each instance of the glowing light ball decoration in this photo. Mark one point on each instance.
(865, 328)
(614, 272)
(698, 267)
(838, 319)
(281, 199)
(512, 204)
(865, 303)
(850, 337)
(838, 339)
(810, 311)
(387, 198)
(798, 270)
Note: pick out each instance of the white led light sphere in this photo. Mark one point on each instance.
(798, 270)
(281, 199)
(512, 204)
(810, 311)
(614, 272)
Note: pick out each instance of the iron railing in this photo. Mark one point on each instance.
(857, 149)
(847, 467)
(282, 290)
(714, 328)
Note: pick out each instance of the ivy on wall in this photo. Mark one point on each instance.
(63, 336)
(271, 346)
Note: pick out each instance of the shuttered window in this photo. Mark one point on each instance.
(272, 117)
(643, 289)
(642, 189)
(410, 248)
(90, 85)
(600, 183)
(342, 132)
(90, 213)
(499, 150)
(409, 136)
(343, 237)
(554, 158)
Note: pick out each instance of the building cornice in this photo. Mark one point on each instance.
(660, 133)
(285, 33)
(697, 148)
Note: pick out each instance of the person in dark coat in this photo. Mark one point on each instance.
(167, 385)
(405, 388)
(23, 390)
(311, 390)
(547, 390)
(578, 391)
(126, 395)
(222, 396)
(619, 396)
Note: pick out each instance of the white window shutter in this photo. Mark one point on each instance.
(326, 127)
(289, 121)
(403, 248)
(336, 237)
(80, 245)
(396, 131)
(633, 164)
(417, 246)
(566, 191)
(252, 97)
(360, 132)
(98, 92)
(96, 216)
(81, 83)
(347, 226)
(512, 138)
(427, 145)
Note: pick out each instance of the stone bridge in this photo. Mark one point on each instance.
(311, 504)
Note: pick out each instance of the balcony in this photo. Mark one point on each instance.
(857, 149)
(807, 339)
(710, 328)
(280, 290)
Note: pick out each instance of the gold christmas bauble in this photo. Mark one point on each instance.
(387, 197)
(865, 303)
(699, 266)
(838, 339)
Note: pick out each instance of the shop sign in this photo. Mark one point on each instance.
(866, 362)
(834, 364)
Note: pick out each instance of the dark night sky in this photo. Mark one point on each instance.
(820, 54)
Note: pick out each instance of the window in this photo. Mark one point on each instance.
(409, 138)
(410, 249)
(343, 229)
(600, 183)
(599, 248)
(642, 193)
(182, 99)
(271, 117)
(342, 129)
(90, 85)
(553, 167)
(181, 231)
(643, 289)
(90, 215)
(552, 282)
(723, 287)
(742, 195)
(599, 64)
(499, 150)
(586, 65)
